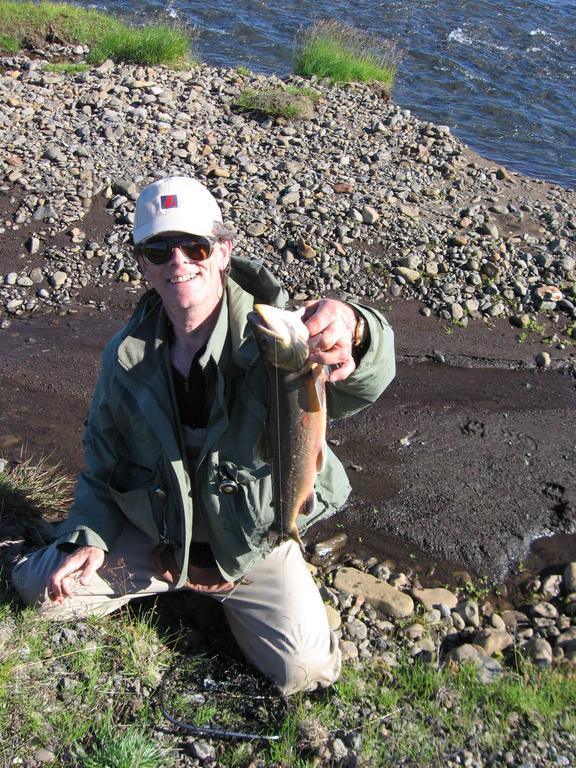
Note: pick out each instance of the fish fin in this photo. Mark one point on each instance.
(321, 458)
(308, 505)
(320, 374)
(273, 536)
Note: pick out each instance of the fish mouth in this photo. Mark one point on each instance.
(281, 335)
(287, 327)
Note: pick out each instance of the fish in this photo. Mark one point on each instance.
(295, 433)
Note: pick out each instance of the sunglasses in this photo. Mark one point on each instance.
(160, 251)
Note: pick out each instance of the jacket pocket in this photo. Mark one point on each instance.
(250, 497)
(145, 509)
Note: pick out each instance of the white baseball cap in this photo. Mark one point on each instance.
(175, 204)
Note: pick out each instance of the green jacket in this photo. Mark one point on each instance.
(136, 463)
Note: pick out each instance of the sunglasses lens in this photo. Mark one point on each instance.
(197, 250)
(160, 251)
(156, 253)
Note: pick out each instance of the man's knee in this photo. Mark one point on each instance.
(308, 669)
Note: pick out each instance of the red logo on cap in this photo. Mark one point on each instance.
(169, 201)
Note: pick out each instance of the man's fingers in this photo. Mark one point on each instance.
(80, 566)
(343, 371)
(88, 572)
(334, 333)
(67, 586)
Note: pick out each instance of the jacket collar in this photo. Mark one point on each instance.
(145, 340)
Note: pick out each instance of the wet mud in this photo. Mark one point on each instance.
(467, 464)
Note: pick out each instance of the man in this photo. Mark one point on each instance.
(174, 494)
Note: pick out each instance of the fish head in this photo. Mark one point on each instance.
(281, 336)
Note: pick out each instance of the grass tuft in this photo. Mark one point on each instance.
(130, 749)
(32, 24)
(68, 67)
(288, 102)
(149, 45)
(344, 54)
(31, 489)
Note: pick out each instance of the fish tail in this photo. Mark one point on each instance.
(296, 536)
(273, 537)
(276, 537)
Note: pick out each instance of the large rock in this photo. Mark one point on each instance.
(432, 598)
(383, 597)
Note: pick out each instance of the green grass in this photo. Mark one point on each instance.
(288, 102)
(128, 749)
(89, 697)
(9, 44)
(68, 67)
(424, 714)
(331, 49)
(70, 696)
(107, 36)
(413, 714)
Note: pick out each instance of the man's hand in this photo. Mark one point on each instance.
(331, 324)
(80, 566)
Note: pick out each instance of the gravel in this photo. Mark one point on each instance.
(362, 199)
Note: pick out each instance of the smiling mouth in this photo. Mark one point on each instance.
(182, 279)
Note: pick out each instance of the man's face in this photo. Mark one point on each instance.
(184, 284)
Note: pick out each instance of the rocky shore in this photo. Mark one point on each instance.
(362, 198)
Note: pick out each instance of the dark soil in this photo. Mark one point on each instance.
(460, 465)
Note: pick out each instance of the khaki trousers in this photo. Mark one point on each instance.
(275, 613)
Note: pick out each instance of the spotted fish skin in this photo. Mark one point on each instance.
(296, 423)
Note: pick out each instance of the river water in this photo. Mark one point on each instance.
(501, 74)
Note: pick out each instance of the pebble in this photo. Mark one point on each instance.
(257, 169)
(58, 278)
(349, 650)
(540, 651)
(200, 749)
(463, 653)
(334, 618)
(569, 578)
(543, 359)
(493, 640)
(489, 670)
(424, 650)
(544, 610)
(357, 630)
(339, 750)
(469, 613)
